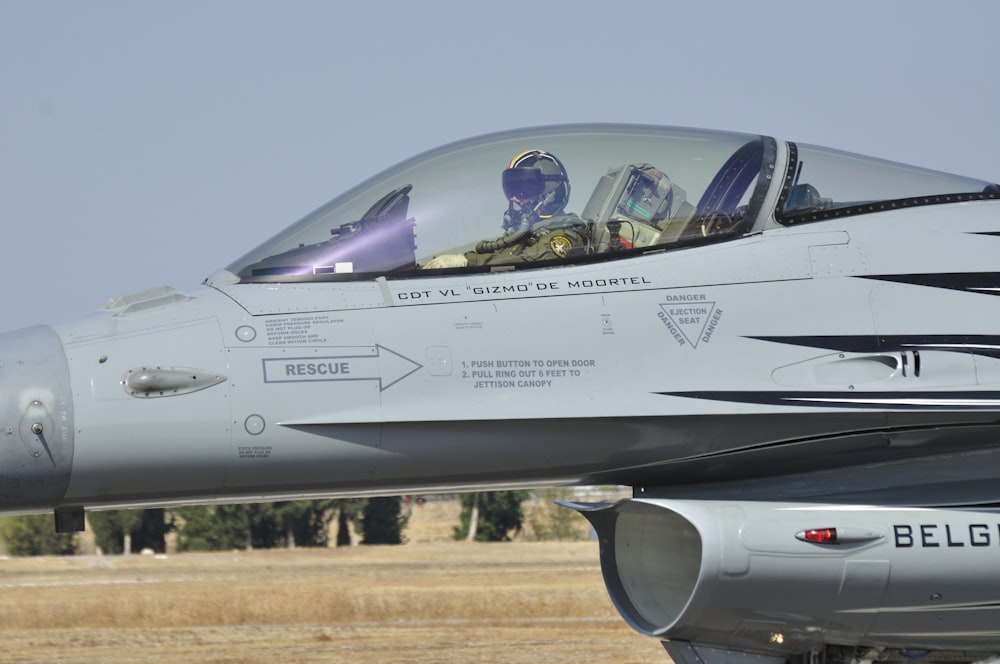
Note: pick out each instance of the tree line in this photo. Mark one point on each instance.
(486, 516)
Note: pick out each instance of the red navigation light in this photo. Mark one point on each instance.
(839, 536)
(821, 535)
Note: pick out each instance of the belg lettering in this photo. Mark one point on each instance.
(934, 536)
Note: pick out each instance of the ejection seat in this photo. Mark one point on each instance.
(636, 205)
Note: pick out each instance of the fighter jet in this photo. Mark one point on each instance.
(791, 353)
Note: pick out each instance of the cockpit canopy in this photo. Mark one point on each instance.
(631, 189)
(821, 183)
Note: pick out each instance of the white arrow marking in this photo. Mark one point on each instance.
(376, 363)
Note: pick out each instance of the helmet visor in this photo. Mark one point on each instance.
(524, 184)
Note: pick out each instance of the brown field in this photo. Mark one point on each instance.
(439, 602)
(432, 600)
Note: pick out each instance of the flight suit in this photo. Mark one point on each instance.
(564, 236)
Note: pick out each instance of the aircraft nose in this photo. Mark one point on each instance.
(36, 420)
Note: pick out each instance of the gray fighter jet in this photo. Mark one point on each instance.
(791, 353)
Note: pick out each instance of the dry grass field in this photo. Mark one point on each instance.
(432, 600)
(437, 602)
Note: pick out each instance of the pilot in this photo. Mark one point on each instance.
(536, 226)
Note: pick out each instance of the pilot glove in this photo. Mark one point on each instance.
(446, 260)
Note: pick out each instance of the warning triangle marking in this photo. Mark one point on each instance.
(691, 318)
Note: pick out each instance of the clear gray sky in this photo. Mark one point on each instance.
(146, 144)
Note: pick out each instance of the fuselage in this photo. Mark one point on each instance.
(714, 367)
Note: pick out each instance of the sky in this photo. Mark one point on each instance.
(145, 144)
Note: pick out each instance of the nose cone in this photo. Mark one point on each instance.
(36, 420)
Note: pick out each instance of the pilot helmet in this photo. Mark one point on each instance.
(536, 177)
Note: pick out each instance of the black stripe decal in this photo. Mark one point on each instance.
(987, 345)
(987, 283)
(984, 400)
